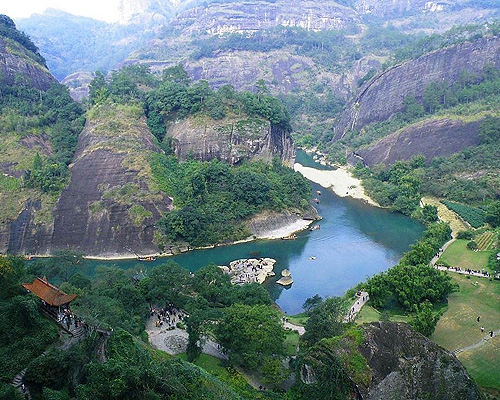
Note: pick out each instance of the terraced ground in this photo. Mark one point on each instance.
(486, 241)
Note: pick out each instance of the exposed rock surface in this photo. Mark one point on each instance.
(111, 204)
(383, 96)
(249, 15)
(231, 139)
(430, 138)
(16, 62)
(398, 364)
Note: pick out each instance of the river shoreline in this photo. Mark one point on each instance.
(340, 181)
(273, 234)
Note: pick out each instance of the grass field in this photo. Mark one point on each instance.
(208, 363)
(370, 314)
(291, 342)
(458, 255)
(298, 319)
(483, 364)
(458, 327)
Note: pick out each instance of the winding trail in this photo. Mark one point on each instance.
(483, 341)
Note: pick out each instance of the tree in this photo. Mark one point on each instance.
(489, 130)
(312, 302)
(250, 334)
(429, 213)
(98, 90)
(176, 74)
(493, 214)
(424, 320)
(325, 321)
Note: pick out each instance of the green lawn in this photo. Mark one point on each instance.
(291, 342)
(458, 255)
(483, 364)
(370, 314)
(458, 328)
(208, 363)
(298, 319)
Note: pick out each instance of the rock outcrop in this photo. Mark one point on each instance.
(111, 204)
(383, 96)
(232, 139)
(18, 64)
(385, 360)
(430, 138)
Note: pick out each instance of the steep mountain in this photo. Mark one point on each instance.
(384, 95)
(111, 204)
(72, 43)
(39, 124)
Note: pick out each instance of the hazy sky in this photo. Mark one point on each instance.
(106, 10)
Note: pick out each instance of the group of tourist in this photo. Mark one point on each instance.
(67, 318)
(490, 333)
(169, 315)
(469, 271)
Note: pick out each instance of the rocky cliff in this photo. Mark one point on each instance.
(431, 138)
(383, 96)
(111, 203)
(232, 139)
(391, 361)
(19, 60)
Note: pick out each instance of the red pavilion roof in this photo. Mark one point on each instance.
(48, 292)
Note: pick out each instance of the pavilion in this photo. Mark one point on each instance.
(54, 300)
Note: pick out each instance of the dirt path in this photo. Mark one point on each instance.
(483, 341)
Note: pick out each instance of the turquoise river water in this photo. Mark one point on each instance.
(355, 241)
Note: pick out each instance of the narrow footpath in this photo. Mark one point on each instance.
(483, 341)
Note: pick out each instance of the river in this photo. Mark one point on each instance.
(355, 241)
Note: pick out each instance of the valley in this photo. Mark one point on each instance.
(353, 142)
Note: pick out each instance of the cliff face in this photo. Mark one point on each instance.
(111, 203)
(250, 15)
(383, 96)
(16, 62)
(391, 361)
(231, 139)
(432, 138)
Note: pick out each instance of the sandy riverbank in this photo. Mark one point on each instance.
(273, 234)
(287, 230)
(340, 181)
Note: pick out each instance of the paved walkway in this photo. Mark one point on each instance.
(175, 341)
(357, 306)
(444, 247)
(483, 341)
(463, 272)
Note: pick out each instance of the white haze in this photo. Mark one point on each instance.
(104, 10)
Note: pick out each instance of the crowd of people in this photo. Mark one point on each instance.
(168, 316)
